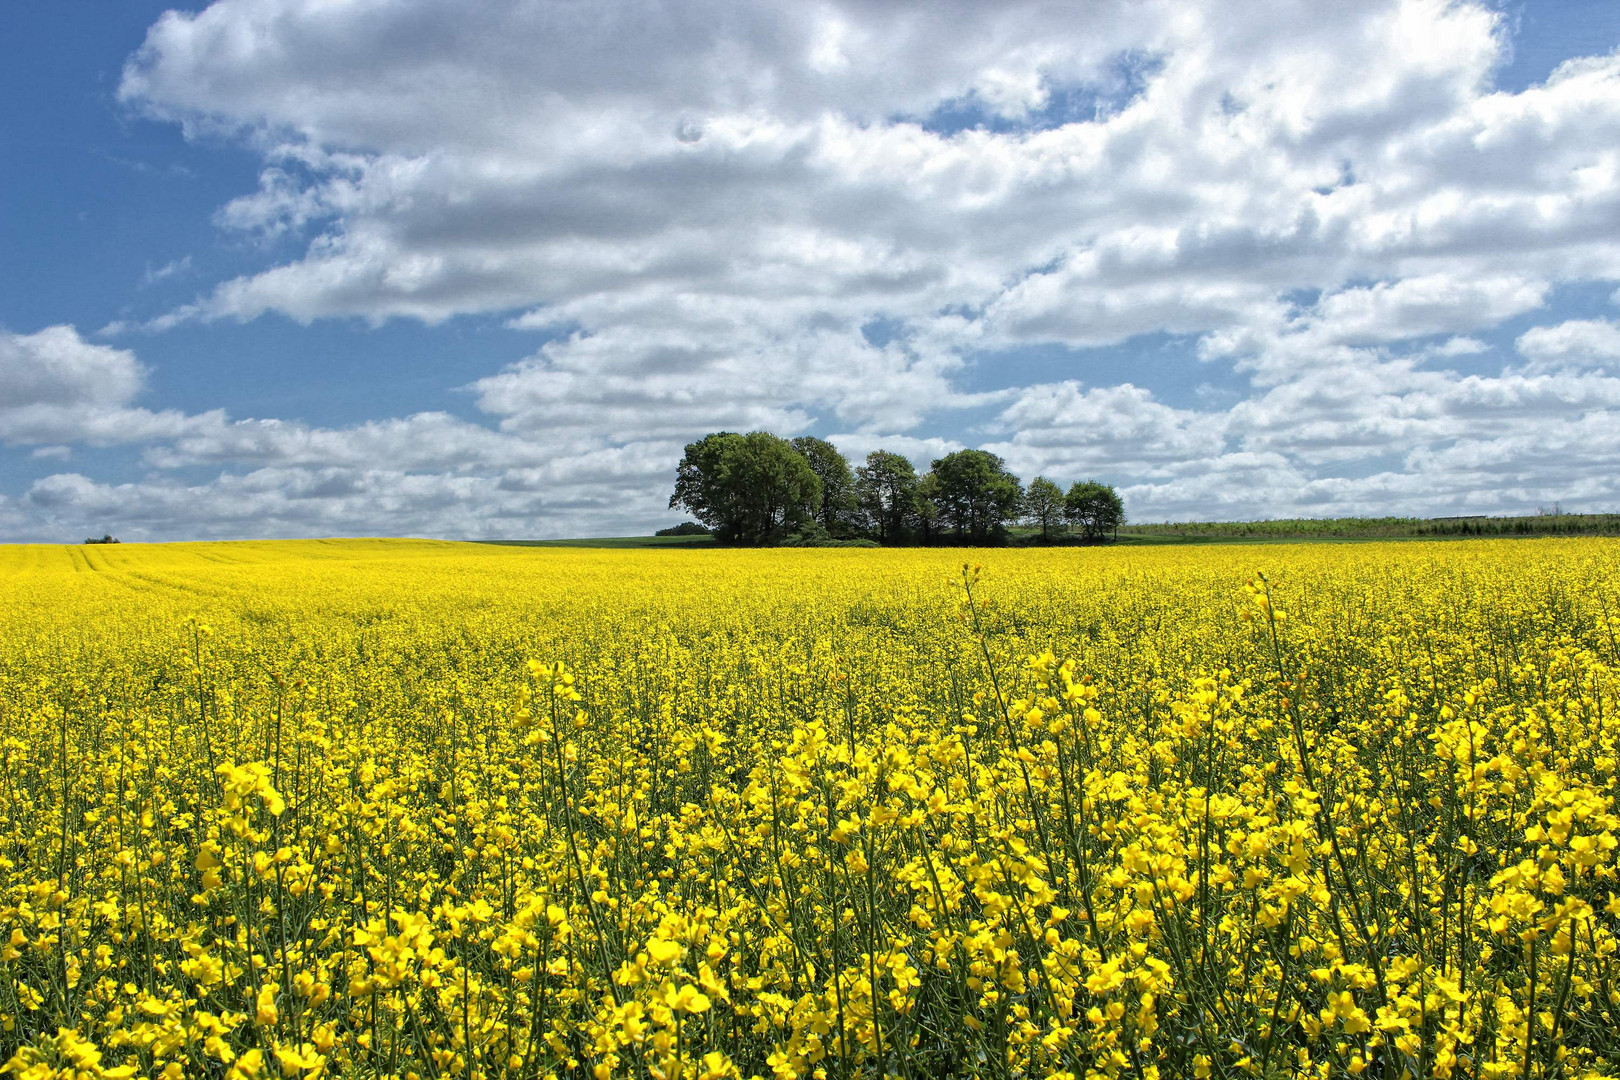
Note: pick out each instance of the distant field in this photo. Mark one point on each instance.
(1214, 532)
(1385, 528)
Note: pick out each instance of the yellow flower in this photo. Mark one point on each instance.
(266, 1013)
(687, 999)
(666, 952)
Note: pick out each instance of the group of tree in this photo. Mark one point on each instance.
(759, 488)
(686, 528)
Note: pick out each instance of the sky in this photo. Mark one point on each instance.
(416, 267)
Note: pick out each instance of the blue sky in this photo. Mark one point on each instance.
(273, 268)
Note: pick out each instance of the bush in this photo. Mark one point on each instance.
(685, 528)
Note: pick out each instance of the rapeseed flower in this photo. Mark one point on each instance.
(429, 811)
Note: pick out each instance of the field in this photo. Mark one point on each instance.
(397, 808)
(1287, 530)
(1388, 528)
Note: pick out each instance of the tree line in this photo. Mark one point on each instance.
(760, 488)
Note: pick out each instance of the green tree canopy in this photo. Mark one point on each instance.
(750, 489)
(1043, 505)
(976, 495)
(1095, 509)
(887, 490)
(836, 510)
(925, 513)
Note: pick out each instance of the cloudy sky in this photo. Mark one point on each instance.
(385, 267)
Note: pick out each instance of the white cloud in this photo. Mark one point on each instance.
(526, 157)
(1072, 431)
(921, 452)
(595, 494)
(55, 387)
(720, 364)
(278, 502)
(57, 367)
(1458, 346)
(1571, 346)
(1420, 306)
(155, 274)
(713, 204)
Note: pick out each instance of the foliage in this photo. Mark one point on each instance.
(1044, 506)
(836, 510)
(685, 528)
(975, 494)
(1095, 509)
(750, 489)
(886, 488)
(800, 540)
(926, 518)
(405, 809)
(742, 488)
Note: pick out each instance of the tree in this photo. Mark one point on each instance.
(886, 487)
(1095, 509)
(925, 512)
(838, 503)
(1043, 505)
(750, 489)
(977, 496)
(685, 528)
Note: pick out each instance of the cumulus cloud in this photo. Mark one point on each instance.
(603, 493)
(274, 502)
(532, 157)
(1073, 431)
(424, 474)
(1420, 306)
(1571, 346)
(56, 367)
(155, 274)
(919, 450)
(816, 216)
(57, 388)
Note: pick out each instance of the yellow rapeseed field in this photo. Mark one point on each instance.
(407, 809)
